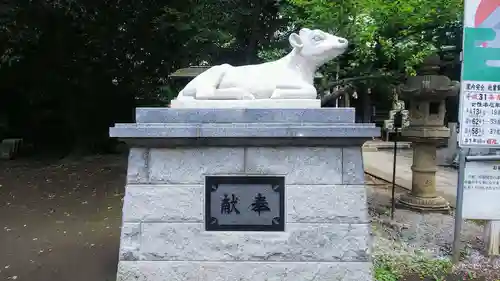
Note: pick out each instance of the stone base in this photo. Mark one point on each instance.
(430, 204)
(327, 230)
(327, 227)
(232, 271)
(259, 103)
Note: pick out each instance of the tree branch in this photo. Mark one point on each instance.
(358, 78)
(334, 95)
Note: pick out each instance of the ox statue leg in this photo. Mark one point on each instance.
(232, 94)
(294, 92)
(204, 85)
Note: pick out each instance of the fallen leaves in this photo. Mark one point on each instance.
(67, 208)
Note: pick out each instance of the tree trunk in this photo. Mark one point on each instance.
(252, 49)
(347, 100)
(365, 107)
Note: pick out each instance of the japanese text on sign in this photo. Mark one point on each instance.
(228, 205)
(244, 203)
(482, 190)
(480, 118)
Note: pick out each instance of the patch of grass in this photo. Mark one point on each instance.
(395, 260)
(384, 271)
(479, 222)
(395, 267)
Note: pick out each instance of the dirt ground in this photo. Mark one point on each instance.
(60, 221)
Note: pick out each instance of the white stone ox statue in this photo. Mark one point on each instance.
(290, 77)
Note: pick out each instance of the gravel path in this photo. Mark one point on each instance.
(428, 234)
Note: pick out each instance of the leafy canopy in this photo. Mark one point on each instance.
(386, 36)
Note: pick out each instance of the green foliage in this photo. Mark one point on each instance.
(387, 37)
(395, 267)
(63, 59)
(272, 54)
(230, 31)
(167, 93)
(385, 274)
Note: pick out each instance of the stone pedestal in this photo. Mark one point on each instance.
(492, 238)
(423, 195)
(423, 190)
(318, 151)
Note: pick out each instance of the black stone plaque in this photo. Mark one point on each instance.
(244, 203)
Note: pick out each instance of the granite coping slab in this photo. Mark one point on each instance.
(245, 142)
(249, 130)
(169, 127)
(239, 125)
(248, 115)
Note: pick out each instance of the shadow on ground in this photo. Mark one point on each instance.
(60, 221)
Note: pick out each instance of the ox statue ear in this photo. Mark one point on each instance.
(295, 41)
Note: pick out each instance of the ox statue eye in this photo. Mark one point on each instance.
(317, 38)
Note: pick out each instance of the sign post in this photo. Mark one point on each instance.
(398, 124)
(479, 113)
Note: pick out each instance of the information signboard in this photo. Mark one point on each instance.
(480, 86)
(481, 198)
(480, 124)
(478, 192)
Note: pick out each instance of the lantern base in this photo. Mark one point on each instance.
(424, 204)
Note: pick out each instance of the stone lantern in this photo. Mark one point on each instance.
(426, 93)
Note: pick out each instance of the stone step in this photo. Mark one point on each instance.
(9, 148)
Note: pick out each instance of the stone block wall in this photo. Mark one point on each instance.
(327, 232)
